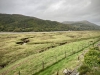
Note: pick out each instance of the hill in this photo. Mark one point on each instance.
(21, 23)
(83, 25)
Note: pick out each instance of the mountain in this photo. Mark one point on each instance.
(21, 23)
(68, 22)
(83, 25)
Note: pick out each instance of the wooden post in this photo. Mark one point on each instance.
(65, 54)
(43, 65)
(19, 73)
(78, 58)
(57, 72)
(78, 47)
(93, 43)
(56, 58)
(72, 50)
(82, 46)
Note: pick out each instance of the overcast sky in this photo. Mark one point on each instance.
(55, 10)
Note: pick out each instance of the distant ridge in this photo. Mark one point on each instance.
(21, 23)
(83, 25)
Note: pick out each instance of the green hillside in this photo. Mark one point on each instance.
(83, 25)
(21, 23)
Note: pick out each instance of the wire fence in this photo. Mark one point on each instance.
(55, 58)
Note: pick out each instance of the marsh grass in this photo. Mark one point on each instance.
(27, 58)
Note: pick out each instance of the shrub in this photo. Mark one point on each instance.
(84, 69)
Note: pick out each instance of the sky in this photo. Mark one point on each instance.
(55, 10)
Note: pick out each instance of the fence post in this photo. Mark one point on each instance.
(19, 73)
(57, 72)
(72, 50)
(82, 46)
(78, 58)
(56, 58)
(43, 65)
(78, 47)
(93, 43)
(65, 54)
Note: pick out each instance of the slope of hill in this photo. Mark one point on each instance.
(16, 22)
(83, 25)
(21, 23)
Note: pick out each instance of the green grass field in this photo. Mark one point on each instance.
(44, 53)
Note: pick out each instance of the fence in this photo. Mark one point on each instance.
(57, 58)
